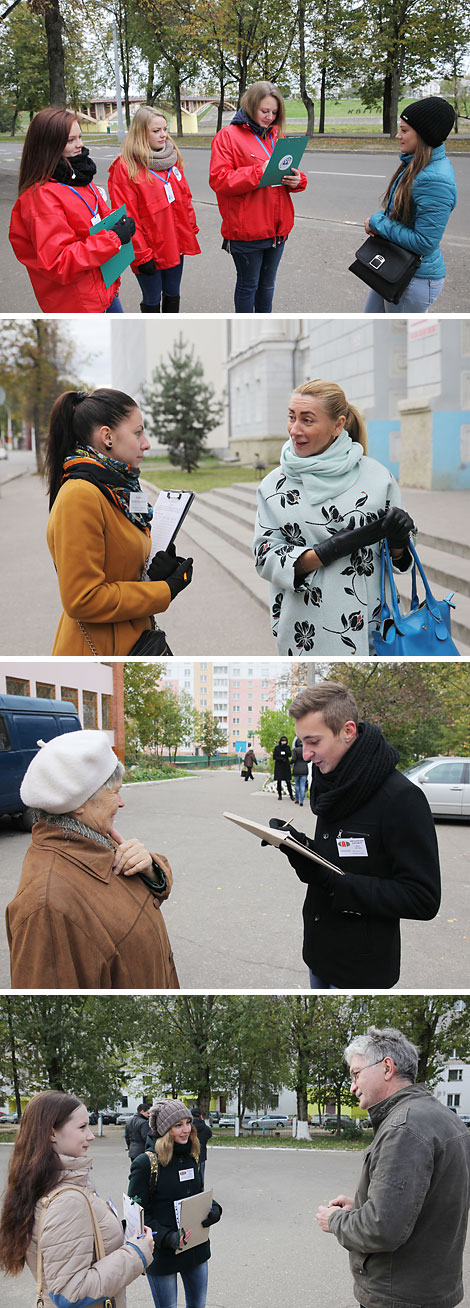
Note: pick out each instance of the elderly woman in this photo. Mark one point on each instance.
(86, 914)
(159, 1179)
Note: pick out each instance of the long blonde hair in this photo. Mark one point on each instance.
(402, 200)
(165, 1144)
(136, 150)
(336, 405)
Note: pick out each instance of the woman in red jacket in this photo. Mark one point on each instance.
(50, 225)
(255, 222)
(148, 178)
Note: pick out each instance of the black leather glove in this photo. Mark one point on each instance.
(346, 542)
(163, 565)
(214, 1215)
(304, 867)
(181, 577)
(397, 526)
(147, 268)
(171, 1241)
(124, 228)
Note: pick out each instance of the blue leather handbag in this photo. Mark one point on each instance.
(423, 632)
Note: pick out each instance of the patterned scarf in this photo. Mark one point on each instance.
(114, 479)
(326, 475)
(359, 774)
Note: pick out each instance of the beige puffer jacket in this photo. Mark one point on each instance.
(70, 1274)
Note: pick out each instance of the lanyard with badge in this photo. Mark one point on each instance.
(95, 217)
(351, 846)
(268, 152)
(169, 192)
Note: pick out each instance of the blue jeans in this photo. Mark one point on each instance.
(166, 280)
(300, 788)
(420, 294)
(165, 1288)
(316, 982)
(256, 275)
(115, 306)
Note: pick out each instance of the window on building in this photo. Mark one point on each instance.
(250, 708)
(453, 1101)
(107, 712)
(235, 683)
(203, 665)
(16, 686)
(90, 709)
(455, 1074)
(44, 690)
(70, 693)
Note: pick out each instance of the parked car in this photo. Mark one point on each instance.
(271, 1119)
(24, 721)
(464, 1117)
(214, 1117)
(225, 1120)
(125, 1116)
(446, 783)
(9, 1117)
(331, 1123)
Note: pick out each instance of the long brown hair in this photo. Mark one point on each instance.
(136, 151)
(253, 96)
(336, 405)
(34, 1171)
(72, 421)
(165, 1144)
(45, 142)
(402, 200)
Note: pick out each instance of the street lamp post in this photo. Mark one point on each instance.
(117, 75)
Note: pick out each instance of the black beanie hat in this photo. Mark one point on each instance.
(432, 118)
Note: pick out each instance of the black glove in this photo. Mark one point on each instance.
(124, 228)
(397, 526)
(171, 1241)
(304, 867)
(163, 565)
(349, 540)
(214, 1215)
(278, 825)
(147, 268)
(181, 577)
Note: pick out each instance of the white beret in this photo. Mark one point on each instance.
(67, 770)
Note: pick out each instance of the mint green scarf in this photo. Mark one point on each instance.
(326, 475)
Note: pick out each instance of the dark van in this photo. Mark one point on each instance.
(24, 721)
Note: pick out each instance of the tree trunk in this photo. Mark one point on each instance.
(386, 104)
(13, 121)
(55, 53)
(179, 116)
(321, 124)
(306, 99)
(394, 98)
(14, 1068)
(149, 93)
(221, 104)
(302, 1105)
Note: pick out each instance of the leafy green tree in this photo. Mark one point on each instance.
(402, 699)
(256, 1035)
(142, 700)
(36, 364)
(274, 723)
(23, 63)
(183, 1044)
(209, 734)
(178, 720)
(398, 40)
(182, 406)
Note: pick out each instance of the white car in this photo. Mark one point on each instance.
(446, 783)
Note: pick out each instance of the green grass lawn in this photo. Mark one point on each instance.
(204, 478)
(326, 1141)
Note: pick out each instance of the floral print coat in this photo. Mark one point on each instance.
(335, 610)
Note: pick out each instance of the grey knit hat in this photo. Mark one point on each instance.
(165, 1113)
(432, 118)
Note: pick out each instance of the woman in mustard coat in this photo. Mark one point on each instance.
(99, 526)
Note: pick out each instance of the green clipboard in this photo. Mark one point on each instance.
(286, 155)
(114, 266)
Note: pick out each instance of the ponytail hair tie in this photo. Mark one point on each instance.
(80, 395)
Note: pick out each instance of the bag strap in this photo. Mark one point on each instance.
(431, 599)
(153, 1160)
(397, 616)
(97, 1238)
(87, 638)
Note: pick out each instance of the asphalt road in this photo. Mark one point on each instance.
(234, 916)
(267, 1250)
(344, 189)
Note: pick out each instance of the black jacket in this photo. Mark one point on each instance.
(204, 1134)
(281, 756)
(136, 1132)
(352, 933)
(179, 1179)
(299, 766)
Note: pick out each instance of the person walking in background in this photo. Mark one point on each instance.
(406, 1226)
(204, 1134)
(282, 757)
(54, 1220)
(136, 1131)
(249, 762)
(320, 518)
(51, 227)
(149, 179)
(299, 771)
(418, 203)
(157, 1179)
(99, 526)
(255, 221)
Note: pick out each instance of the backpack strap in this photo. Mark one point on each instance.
(153, 1160)
(97, 1240)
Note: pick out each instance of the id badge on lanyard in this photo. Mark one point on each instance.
(169, 192)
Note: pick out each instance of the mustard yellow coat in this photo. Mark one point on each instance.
(99, 556)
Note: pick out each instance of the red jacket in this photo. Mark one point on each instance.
(248, 213)
(163, 230)
(50, 234)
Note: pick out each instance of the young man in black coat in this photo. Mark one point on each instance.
(136, 1131)
(377, 828)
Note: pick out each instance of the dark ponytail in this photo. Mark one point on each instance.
(73, 419)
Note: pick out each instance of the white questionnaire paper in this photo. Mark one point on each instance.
(168, 511)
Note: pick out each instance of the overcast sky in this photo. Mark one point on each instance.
(93, 348)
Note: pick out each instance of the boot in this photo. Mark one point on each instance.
(170, 304)
(149, 308)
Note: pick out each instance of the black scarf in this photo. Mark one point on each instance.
(359, 774)
(242, 118)
(77, 171)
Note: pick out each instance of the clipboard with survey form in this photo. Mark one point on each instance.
(113, 267)
(277, 836)
(169, 511)
(190, 1213)
(286, 155)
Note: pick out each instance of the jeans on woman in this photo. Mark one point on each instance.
(256, 275)
(166, 280)
(115, 306)
(420, 294)
(165, 1288)
(300, 788)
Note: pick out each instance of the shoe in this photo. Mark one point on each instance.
(170, 304)
(149, 308)
(296, 801)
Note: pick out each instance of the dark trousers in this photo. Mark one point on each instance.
(248, 772)
(279, 788)
(256, 275)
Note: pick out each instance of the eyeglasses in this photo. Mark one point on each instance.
(355, 1075)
